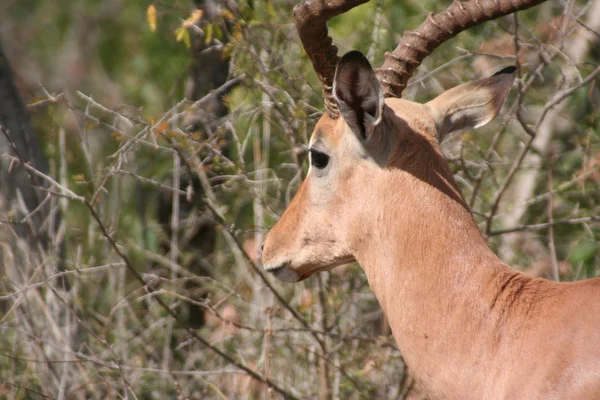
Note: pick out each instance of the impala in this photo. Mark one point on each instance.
(380, 192)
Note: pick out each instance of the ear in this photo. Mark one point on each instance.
(357, 93)
(472, 104)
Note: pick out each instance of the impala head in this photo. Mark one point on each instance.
(367, 137)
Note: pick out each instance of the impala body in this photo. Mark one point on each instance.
(468, 325)
(380, 192)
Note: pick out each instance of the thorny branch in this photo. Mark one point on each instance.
(148, 286)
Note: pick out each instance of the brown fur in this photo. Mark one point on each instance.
(468, 326)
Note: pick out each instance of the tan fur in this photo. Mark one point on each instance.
(468, 326)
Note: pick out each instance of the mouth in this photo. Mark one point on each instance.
(284, 274)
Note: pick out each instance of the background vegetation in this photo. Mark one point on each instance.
(172, 139)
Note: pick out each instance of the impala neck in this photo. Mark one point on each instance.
(432, 272)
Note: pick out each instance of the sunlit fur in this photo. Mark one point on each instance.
(468, 326)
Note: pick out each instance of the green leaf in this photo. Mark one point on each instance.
(584, 252)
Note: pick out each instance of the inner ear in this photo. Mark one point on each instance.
(357, 93)
(471, 104)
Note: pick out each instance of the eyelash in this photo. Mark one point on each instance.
(318, 160)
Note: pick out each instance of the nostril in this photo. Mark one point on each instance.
(262, 246)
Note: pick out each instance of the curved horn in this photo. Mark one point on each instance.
(311, 23)
(416, 45)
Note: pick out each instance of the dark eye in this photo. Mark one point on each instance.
(318, 160)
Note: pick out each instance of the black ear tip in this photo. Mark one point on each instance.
(507, 70)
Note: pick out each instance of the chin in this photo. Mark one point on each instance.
(285, 274)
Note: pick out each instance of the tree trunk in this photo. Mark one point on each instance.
(17, 139)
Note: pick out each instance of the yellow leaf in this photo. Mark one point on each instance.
(183, 35)
(179, 33)
(151, 16)
(193, 19)
(208, 32)
(237, 32)
(228, 15)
